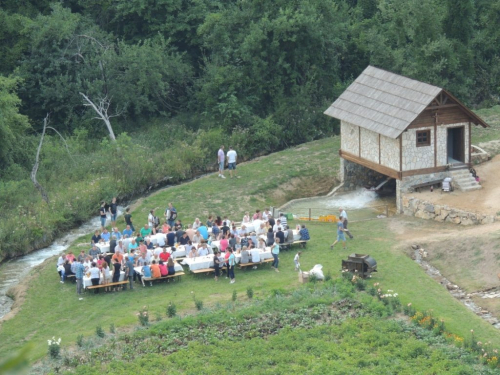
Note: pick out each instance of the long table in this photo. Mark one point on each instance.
(207, 261)
(87, 281)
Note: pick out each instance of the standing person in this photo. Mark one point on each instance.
(128, 219)
(220, 161)
(95, 276)
(231, 262)
(216, 265)
(340, 233)
(296, 260)
(231, 161)
(275, 251)
(102, 213)
(106, 276)
(171, 215)
(343, 214)
(79, 271)
(113, 211)
(130, 271)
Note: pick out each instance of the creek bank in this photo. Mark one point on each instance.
(418, 254)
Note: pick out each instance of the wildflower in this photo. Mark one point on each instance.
(395, 294)
(409, 304)
(485, 355)
(390, 290)
(472, 331)
(479, 343)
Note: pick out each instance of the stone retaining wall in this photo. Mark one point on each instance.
(354, 175)
(425, 210)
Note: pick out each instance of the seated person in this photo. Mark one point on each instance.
(164, 255)
(244, 241)
(82, 256)
(190, 231)
(178, 225)
(142, 248)
(146, 271)
(193, 253)
(171, 238)
(145, 231)
(161, 239)
(94, 252)
(304, 233)
(280, 235)
(87, 263)
(188, 247)
(149, 245)
(232, 241)
(70, 257)
(210, 221)
(116, 233)
(261, 229)
(132, 246)
(105, 235)
(127, 232)
(117, 256)
(203, 230)
(245, 258)
(155, 270)
(67, 269)
(251, 244)
(254, 253)
(197, 237)
(142, 260)
(163, 268)
(196, 224)
(171, 266)
(203, 250)
(270, 237)
(253, 237)
(95, 238)
(225, 228)
(157, 251)
(119, 248)
(262, 244)
(184, 239)
(165, 228)
(224, 243)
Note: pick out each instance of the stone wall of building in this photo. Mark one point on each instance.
(389, 152)
(417, 157)
(425, 210)
(349, 139)
(369, 145)
(354, 175)
(404, 186)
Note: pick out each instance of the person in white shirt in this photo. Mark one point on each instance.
(246, 218)
(296, 259)
(196, 224)
(261, 230)
(265, 214)
(277, 225)
(202, 251)
(220, 161)
(119, 248)
(283, 220)
(343, 214)
(231, 161)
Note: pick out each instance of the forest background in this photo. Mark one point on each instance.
(184, 76)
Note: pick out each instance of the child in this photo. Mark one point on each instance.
(296, 260)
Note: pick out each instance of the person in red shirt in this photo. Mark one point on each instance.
(155, 270)
(165, 255)
(163, 268)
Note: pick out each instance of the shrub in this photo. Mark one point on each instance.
(313, 278)
(54, 347)
(328, 276)
(171, 310)
(235, 296)
(158, 317)
(199, 304)
(112, 328)
(143, 316)
(79, 340)
(250, 292)
(99, 331)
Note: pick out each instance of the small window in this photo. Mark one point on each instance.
(423, 138)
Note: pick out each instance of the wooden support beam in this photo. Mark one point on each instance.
(389, 172)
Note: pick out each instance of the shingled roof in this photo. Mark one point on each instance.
(385, 102)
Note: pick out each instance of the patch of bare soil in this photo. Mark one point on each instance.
(18, 294)
(467, 256)
(484, 201)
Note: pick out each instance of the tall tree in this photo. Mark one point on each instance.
(459, 21)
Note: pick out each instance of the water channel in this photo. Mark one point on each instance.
(15, 270)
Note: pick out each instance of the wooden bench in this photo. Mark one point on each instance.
(418, 187)
(245, 265)
(204, 270)
(71, 277)
(107, 285)
(151, 279)
(287, 245)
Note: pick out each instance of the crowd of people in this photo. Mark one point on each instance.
(157, 260)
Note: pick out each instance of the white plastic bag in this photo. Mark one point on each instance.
(317, 271)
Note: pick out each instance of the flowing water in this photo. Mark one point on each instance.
(360, 204)
(14, 270)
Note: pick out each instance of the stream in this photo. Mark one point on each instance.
(15, 270)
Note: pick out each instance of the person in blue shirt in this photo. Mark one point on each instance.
(171, 237)
(105, 235)
(340, 233)
(79, 270)
(304, 233)
(127, 232)
(146, 271)
(117, 234)
(171, 214)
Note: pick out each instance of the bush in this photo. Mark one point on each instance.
(143, 316)
(171, 310)
(199, 304)
(79, 340)
(235, 296)
(99, 331)
(54, 347)
(112, 328)
(250, 292)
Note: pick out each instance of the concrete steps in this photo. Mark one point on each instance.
(463, 180)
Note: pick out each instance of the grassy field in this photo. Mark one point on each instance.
(480, 134)
(53, 309)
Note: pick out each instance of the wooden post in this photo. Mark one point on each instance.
(309, 214)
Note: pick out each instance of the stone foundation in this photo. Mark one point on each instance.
(355, 176)
(425, 210)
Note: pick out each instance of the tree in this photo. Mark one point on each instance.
(459, 21)
(13, 125)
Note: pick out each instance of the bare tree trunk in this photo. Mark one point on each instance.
(39, 187)
(102, 111)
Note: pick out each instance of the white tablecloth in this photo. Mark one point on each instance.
(88, 282)
(296, 235)
(103, 246)
(207, 261)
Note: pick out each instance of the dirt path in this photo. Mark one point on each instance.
(485, 201)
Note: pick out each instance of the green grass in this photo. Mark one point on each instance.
(492, 117)
(52, 309)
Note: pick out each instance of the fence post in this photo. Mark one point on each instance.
(386, 210)
(309, 214)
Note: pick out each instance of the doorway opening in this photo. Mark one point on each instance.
(455, 145)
